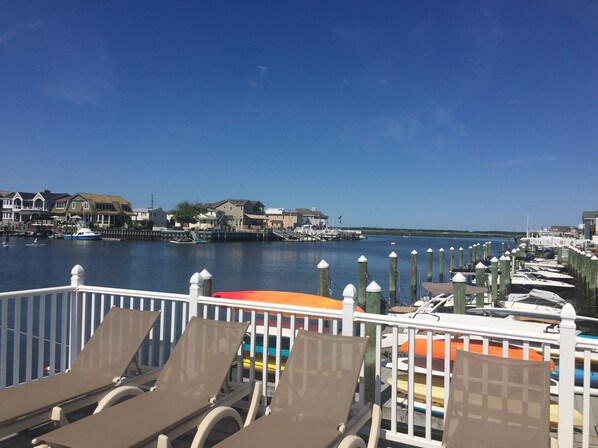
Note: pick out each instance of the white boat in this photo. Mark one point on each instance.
(83, 233)
(535, 300)
(523, 282)
(548, 274)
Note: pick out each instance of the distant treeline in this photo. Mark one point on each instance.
(450, 233)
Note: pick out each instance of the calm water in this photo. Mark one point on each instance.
(234, 266)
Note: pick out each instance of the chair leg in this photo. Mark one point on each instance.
(163, 442)
(211, 420)
(351, 442)
(375, 427)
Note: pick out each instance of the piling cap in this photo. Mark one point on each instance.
(430, 250)
(494, 260)
(451, 248)
(362, 259)
(373, 287)
(594, 258)
(393, 254)
(458, 278)
(441, 250)
(480, 265)
(414, 252)
(323, 265)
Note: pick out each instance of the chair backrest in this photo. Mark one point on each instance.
(495, 401)
(115, 342)
(201, 358)
(319, 378)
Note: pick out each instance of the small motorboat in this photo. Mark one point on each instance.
(83, 233)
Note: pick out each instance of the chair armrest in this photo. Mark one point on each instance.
(116, 395)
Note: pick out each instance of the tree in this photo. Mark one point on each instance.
(186, 212)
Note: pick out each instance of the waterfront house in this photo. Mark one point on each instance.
(311, 217)
(590, 223)
(23, 207)
(210, 219)
(278, 218)
(156, 216)
(96, 209)
(242, 214)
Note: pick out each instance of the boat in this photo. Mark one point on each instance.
(548, 274)
(83, 233)
(183, 240)
(523, 282)
(536, 300)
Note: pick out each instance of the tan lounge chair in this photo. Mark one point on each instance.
(185, 391)
(498, 402)
(97, 369)
(312, 401)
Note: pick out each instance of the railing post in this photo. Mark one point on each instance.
(392, 279)
(323, 279)
(207, 283)
(362, 280)
(194, 287)
(372, 306)
(349, 303)
(566, 376)
(76, 312)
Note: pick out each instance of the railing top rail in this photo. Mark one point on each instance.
(134, 293)
(478, 330)
(35, 292)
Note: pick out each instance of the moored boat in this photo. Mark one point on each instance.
(83, 233)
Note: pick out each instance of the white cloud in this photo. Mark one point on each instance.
(252, 83)
(262, 69)
(15, 31)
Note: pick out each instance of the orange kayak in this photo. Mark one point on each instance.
(284, 298)
(494, 349)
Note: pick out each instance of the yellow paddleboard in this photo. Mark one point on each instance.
(419, 393)
(259, 365)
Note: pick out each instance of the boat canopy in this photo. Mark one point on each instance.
(447, 288)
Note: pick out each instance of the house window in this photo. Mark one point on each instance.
(73, 205)
(86, 205)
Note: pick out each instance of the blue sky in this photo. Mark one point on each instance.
(470, 115)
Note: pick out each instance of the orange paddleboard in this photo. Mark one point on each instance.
(494, 349)
(284, 298)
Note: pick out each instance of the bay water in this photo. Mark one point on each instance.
(168, 267)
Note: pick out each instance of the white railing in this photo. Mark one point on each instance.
(42, 330)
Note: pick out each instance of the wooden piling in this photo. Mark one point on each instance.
(413, 276)
(494, 279)
(207, 283)
(459, 293)
(362, 281)
(372, 306)
(451, 259)
(441, 265)
(480, 280)
(392, 279)
(323, 279)
(504, 269)
(429, 254)
(460, 257)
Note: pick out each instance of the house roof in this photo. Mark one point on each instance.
(48, 195)
(25, 195)
(102, 198)
(240, 202)
(310, 212)
(589, 215)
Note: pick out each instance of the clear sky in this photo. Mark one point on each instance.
(472, 115)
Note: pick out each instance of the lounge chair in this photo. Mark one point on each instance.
(498, 402)
(98, 368)
(186, 390)
(312, 401)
